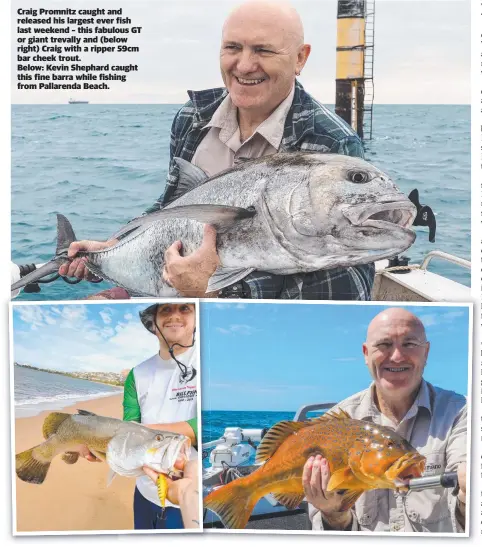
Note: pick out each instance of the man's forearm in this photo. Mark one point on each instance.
(189, 504)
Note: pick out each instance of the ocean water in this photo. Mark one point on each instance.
(101, 165)
(36, 391)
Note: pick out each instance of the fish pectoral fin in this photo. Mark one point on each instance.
(224, 277)
(289, 500)
(52, 423)
(221, 217)
(349, 499)
(190, 176)
(343, 479)
(70, 457)
(111, 475)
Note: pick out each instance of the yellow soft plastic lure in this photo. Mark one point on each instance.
(162, 489)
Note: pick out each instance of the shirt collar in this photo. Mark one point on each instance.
(368, 408)
(225, 118)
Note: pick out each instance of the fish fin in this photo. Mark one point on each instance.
(85, 412)
(52, 423)
(52, 266)
(338, 414)
(332, 415)
(289, 500)
(65, 234)
(220, 216)
(190, 176)
(29, 469)
(224, 277)
(70, 457)
(275, 437)
(233, 503)
(343, 479)
(110, 477)
(349, 499)
(100, 455)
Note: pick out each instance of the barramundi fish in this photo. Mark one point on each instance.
(125, 446)
(283, 214)
(361, 456)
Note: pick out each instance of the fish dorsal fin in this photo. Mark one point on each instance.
(275, 437)
(190, 176)
(65, 234)
(222, 217)
(85, 412)
(52, 423)
(290, 501)
(332, 415)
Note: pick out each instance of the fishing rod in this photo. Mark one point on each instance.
(445, 480)
(18, 271)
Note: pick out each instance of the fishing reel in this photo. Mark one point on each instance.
(17, 272)
(424, 217)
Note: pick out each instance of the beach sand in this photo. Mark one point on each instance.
(73, 497)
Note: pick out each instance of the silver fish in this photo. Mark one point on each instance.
(286, 213)
(126, 446)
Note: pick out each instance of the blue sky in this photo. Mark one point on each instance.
(280, 356)
(81, 337)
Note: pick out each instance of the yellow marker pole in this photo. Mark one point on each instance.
(350, 57)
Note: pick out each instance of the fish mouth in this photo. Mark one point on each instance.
(410, 466)
(384, 215)
(178, 457)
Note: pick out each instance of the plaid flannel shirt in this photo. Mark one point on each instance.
(309, 126)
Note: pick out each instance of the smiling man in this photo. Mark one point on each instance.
(161, 393)
(433, 420)
(263, 109)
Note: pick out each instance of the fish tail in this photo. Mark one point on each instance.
(31, 469)
(233, 503)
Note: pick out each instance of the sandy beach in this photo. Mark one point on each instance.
(73, 497)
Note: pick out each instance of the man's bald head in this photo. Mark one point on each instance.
(395, 316)
(265, 12)
(396, 351)
(262, 52)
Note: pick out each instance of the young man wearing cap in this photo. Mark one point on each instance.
(161, 393)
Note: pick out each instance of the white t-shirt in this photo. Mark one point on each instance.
(165, 397)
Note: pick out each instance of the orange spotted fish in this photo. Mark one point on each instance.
(361, 455)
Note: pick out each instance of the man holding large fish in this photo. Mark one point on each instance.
(433, 420)
(297, 227)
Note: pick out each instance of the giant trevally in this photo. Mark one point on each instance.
(125, 446)
(284, 214)
(361, 455)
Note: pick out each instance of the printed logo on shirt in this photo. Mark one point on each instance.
(184, 394)
(188, 375)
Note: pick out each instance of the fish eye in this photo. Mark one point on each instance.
(358, 177)
(159, 438)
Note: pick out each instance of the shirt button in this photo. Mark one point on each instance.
(396, 527)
